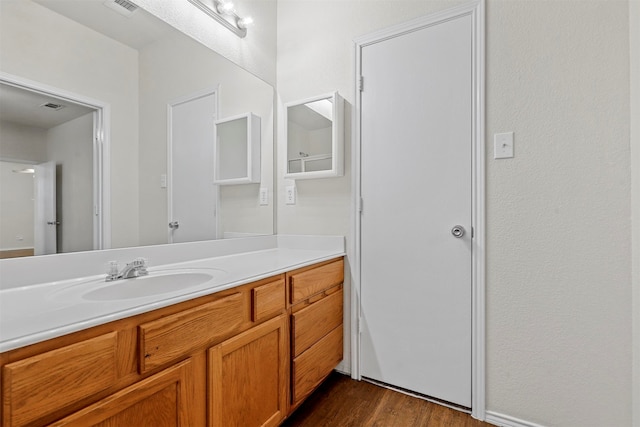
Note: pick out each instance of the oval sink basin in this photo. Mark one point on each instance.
(153, 284)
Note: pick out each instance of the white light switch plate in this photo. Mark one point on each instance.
(290, 195)
(503, 145)
(264, 196)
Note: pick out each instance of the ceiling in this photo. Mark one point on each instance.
(24, 107)
(136, 30)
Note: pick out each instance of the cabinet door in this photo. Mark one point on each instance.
(162, 400)
(248, 377)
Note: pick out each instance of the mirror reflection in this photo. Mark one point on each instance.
(314, 137)
(143, 71)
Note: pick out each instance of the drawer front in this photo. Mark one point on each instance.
(169, 338)
(312, 367)
(315, 321)
(42, 384)
(267, 301)
(310, 282)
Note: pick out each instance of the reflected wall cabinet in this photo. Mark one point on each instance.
(315, 137)
(237, 150)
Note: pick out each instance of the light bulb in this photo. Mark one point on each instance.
(226, 7)
(245, 23)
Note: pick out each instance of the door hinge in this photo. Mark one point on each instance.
(361, 83)
(359, 325)
(360, 204)
(473, 232)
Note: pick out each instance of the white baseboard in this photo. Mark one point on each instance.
(502, 420)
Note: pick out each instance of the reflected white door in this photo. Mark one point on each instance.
(192, 195)
(45, 221)
(416, 130)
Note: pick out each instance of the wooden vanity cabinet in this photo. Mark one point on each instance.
(316, 307)
(241, 357)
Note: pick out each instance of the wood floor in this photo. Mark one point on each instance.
(343, 402)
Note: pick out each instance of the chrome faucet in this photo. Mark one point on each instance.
(136, 268)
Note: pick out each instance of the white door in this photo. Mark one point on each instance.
(192, 195)
(45, 220)
(416, 186)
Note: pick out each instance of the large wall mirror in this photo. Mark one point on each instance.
(156, 91)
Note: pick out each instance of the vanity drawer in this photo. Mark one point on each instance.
(315, 321)
(312, 367)
(39, 385)
(169, 338)
(309, 282)
(267, 300)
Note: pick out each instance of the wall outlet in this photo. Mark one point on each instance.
(290, 195)
(264, 196)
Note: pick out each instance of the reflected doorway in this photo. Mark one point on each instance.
(49, 192)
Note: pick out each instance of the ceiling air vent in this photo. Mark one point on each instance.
(123, 7)
(53, 106)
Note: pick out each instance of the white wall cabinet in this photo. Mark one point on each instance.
(237, 150)
(315, 137)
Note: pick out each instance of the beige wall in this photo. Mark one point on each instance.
(16, 207)
(70, 146)
(20, 142)
(558, 228)
(56, 51)
(168, 73)
(255, 53)
(634, 40)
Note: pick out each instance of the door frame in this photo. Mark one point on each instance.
(215, 90)
(101, 146)
(476, 9)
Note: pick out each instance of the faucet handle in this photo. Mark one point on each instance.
(112, 271)
(141, 266)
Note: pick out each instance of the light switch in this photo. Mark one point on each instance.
(290, 195)
(503, 145)
(264, 196)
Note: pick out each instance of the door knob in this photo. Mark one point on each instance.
(53, 222)
(457, 231)
(174, 225)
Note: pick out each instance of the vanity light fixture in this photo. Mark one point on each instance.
(225, 13)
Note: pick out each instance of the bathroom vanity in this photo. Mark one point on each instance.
(242, 354)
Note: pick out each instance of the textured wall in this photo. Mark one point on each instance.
(16, 207)
(559, 260)
(167, 73)
(56, 51)
(255, 53)
(558, 283)
(69, 145)
(634, 40)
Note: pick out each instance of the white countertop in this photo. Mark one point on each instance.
(41, 311)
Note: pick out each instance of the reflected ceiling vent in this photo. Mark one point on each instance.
(53, 106)
(123, 7)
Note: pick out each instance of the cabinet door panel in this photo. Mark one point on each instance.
(248, 377)
(73, 372)
(162, 400)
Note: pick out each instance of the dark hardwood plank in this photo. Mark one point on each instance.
(343, 402)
